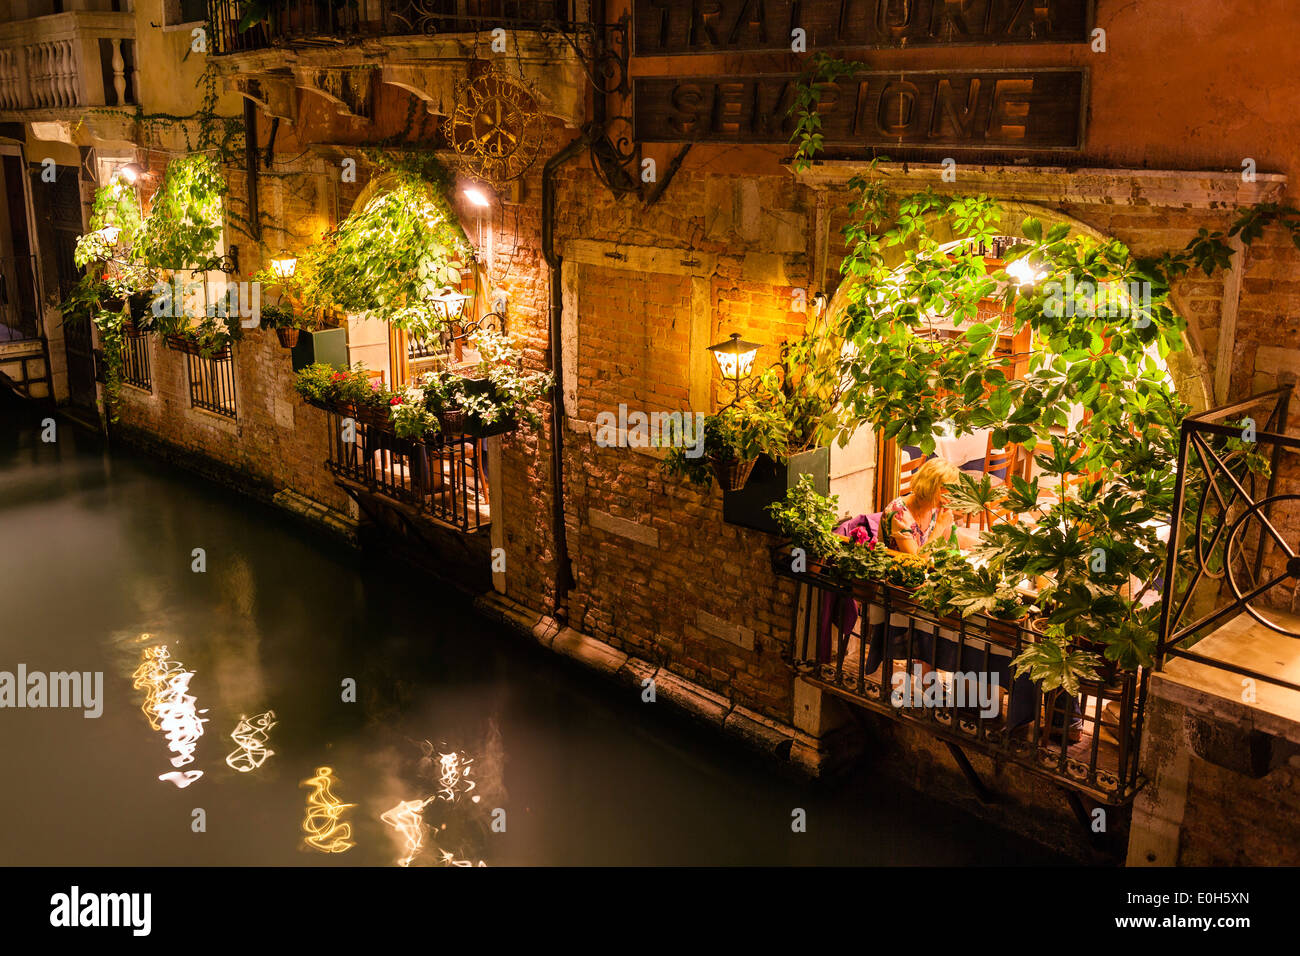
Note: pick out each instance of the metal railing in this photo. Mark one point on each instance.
(873, 645)
(212, 381)
(135, 361)
(1229, 554)
(326, 21)
(443, 478)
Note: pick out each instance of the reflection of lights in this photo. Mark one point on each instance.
(179, 720)
(169, 707)
(453, 775)
(1023, 272)
(325, 832)
(251, 735)
(405, 819)
(153, 676)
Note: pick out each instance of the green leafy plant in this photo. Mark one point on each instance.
(736, 433)
(495, 389)
(390, 258)
(279, 316)
(411, 418)
(184, 224)
(808, 519)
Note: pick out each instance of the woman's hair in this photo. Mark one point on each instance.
(929, 481)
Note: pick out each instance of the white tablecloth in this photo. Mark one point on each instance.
(962, 448)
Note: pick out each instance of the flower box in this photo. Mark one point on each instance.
(183, 343)
(327, 346)
(769, 482)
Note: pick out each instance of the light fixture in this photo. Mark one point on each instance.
(284, 265)
(735, 359)
(131, 173)
(477, 197)
(820, 301)
(449, 305)
(110, 234)
(1023, 272)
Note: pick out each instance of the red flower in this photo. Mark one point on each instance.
(338, 376)
(860, 536)
(395, 400)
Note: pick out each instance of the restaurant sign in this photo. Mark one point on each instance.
(667, 27)
(968, 109)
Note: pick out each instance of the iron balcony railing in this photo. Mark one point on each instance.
(135, 361)
(212, 382)
(443, 478)
(335, 21)
(871, 644)
(1233, 559)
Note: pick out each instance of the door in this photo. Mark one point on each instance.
(19, 316)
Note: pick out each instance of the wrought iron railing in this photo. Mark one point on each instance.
(443, 478)
(212, 381)
(135, 361)
(872, 644)
(1229, 553)
(307, 21)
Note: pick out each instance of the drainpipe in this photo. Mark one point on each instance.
(563, 567)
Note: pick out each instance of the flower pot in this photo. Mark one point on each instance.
(732, 473)
(326, 346)
(747, 505)
(453, 420)
(288, 337)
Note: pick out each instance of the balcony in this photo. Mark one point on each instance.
(868, 642)
(67, 62)
(306, 23)
(442, 479)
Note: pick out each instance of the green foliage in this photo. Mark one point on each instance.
(279, 316)
(410, 416)
(1056, 663)
(389, 258)
(808, 519)
(184, 223)
(820, 70)
(510, 393)
(736, 433)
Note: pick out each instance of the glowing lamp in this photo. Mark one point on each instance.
(449, 305)
(284, 265)
(1023, 272)
(110, 234)
(477, 197)
(735, 359)
(131, 173)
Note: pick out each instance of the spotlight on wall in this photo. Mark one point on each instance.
(477, 197)
(131, 173)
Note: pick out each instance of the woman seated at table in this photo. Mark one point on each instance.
(913, 520)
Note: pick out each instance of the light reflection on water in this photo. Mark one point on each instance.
(97, 554)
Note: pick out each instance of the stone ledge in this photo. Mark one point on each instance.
(623, 527)
(715, 626)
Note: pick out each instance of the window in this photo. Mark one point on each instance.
(135, 361)
(212, 382)
(177, 13)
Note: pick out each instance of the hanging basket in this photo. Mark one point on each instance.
(288, 337)
(453, 420)
(732, 473)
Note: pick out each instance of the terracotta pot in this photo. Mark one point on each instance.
(288, 337)
(732, 473)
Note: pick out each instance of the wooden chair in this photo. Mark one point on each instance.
(1005, 460)
(905, 474)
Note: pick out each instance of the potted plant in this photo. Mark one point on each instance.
(732, 441)
(803, 387)
(284, 321)
(316, 384)
(491, 396)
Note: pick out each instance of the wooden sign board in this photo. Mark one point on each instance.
(670, 27)
(968, 109)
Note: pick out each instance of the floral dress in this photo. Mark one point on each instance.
(896, 519)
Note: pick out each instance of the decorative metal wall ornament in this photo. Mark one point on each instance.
(496, 125)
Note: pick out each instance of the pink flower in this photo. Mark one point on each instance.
(860, 536)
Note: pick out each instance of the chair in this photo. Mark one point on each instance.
(905, 475)
(1004, 460)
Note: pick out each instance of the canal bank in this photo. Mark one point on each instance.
(586, 774)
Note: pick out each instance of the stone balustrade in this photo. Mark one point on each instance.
(67, 61)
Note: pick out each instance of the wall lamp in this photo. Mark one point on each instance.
(735, 360)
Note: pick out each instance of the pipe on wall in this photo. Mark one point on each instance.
(563, 567)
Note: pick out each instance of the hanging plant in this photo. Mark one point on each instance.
(184, 224)
(389, 258)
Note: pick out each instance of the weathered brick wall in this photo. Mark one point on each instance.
(276, 439)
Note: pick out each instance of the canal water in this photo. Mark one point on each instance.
(271, 697)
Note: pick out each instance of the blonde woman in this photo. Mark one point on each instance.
(909, 522)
